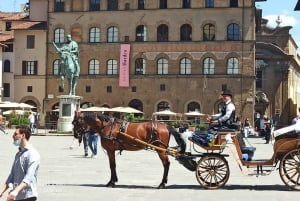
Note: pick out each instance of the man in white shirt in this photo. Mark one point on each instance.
(31, 118)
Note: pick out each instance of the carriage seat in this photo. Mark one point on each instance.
(291, 131)
(247, 152)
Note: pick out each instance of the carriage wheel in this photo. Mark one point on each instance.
(289, 169)
(212, 171)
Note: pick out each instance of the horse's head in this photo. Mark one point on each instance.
(79, 125)
(97, 123)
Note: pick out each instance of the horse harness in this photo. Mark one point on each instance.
(123, 129)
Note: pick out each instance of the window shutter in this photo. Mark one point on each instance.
(23, 67)
(35, 67)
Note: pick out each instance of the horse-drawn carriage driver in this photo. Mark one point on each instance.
(71, 46)
(226, 117)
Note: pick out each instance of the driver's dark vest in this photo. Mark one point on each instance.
(232, 116)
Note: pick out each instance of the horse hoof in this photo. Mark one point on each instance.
(110, 184)
(161, 186)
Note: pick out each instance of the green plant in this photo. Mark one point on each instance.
(201, 126)
(132, 118)
(16, 119)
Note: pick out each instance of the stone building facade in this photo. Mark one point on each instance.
(182, 53)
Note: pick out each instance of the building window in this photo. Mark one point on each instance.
(209, 4)
(94, 35)
(162, 87)
(8, 48)
(127, 6)
(163, 4)
(94, 67)
(233, 32)
(109, 89)
(6, 89)
(208, 66)
(29, 67)
(140, 33)
(232, 66)
(141, 4)
(94, 5)
(29, 88)
(60, 89)
(209, 32)
(140, 66)
(133, 89)
(234, 3)
(186, 3)
(56, 67)
(6, 66)
(162, 33)
(186, 32)
(193, 106)
(112, 67)
(7, 26)
(112, 5)
(88, 89)
(259, 79)
(112, 34)
(59, 35)
(59, 6)
(30, 41)
(185, 66)
(162, 66)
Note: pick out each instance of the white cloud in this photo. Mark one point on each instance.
(286, 20)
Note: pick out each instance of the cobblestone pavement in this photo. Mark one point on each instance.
(65, 174)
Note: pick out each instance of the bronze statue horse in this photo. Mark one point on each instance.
(67, 69)
(113, 139)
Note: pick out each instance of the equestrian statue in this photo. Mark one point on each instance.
(69, 63)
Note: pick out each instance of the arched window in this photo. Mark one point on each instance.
(232, 66)
(59, 35)
(185, 66)
(141, 33)
(208, 66)
(93, 67)
(233, 32)
(112, 67)
(193, 106)
(56, 67)
(162, 33)
(136, 104)
(163, 105)
(162, 66)
(140, 66)
(112, 34)
(209, 32)
(94, 35)
(186, 32)
(6, 67)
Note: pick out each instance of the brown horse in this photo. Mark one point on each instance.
(113, 138)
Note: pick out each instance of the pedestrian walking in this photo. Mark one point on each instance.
(93, 142)
(24, 171)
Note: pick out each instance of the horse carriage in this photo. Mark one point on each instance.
(210, 165)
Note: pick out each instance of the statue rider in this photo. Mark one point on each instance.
(71, 46)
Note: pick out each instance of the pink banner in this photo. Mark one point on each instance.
(124, 65)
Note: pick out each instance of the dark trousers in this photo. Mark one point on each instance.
(28, 199)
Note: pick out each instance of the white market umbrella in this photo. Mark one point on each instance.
(194, 114)
(164, 113)
(95, 109)
(129, 110)
(19, 112)
(15, 105)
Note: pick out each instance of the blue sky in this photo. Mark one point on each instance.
(271, 10)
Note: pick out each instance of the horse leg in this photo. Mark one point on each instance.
(166, 163)
(70, 86)
(113, 173)
(74, 83)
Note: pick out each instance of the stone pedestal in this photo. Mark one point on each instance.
(67, 107)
